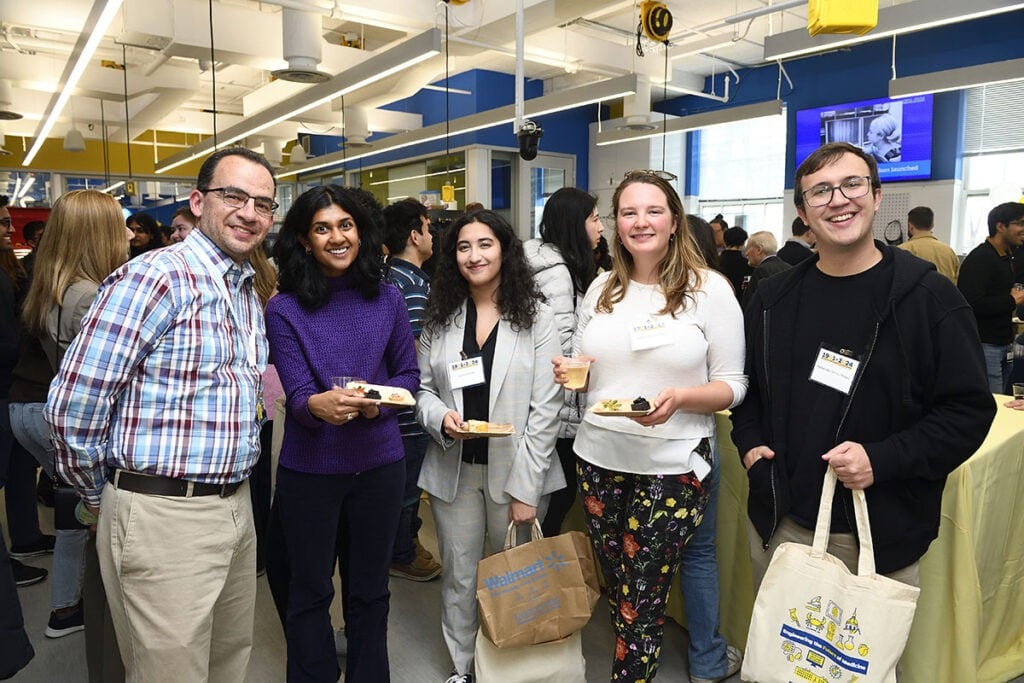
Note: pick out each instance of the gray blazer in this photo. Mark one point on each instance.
(522, 392)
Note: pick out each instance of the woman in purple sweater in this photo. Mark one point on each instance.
(340, 474)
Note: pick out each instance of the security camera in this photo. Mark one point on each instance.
(529, 135)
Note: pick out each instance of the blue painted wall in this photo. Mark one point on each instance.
(862, 72)
(564, 132)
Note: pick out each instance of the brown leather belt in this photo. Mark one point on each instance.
(155, 485)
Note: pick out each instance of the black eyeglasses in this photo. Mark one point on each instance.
(647, 172)
(5, 222)
(1016, 222)
(237, 199)
(851, 188)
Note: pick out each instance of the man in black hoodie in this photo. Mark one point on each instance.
(864, 359)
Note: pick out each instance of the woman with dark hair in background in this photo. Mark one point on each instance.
(562, 262)
(704, 239)
(719, 226)
(340, 476)
(146, 233)
(484, 307)
(662, 327)
(732, 262)
(602, 255)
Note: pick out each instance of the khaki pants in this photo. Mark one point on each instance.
(180, 576)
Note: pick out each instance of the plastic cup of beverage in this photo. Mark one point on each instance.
(1018, 390)
(342, 381)
(576, 370)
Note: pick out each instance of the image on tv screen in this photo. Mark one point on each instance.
(897, 133)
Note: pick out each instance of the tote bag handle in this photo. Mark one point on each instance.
(866, 561)
(510, 535)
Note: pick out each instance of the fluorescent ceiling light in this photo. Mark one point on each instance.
(113, 187)
(685, 123)
(539, 106)
(957, 79)
(458, 169)
(377, 67)
(906, 18)
(95, 28)
(26, 187)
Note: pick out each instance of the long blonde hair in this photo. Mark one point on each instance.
(265, 280)
(680, 273)
(84, 239)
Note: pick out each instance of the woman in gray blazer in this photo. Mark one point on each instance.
(484, 356)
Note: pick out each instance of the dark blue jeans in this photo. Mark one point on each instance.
(409, 523)
(311, 508)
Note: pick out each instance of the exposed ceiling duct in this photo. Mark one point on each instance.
(636, 109)
(357, 126)
(7, 112)
(302, 47)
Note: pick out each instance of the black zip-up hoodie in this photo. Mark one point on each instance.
(919, 405)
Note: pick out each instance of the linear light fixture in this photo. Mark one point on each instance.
(402, 56)
(906, 18)
(693, 122)
(957, 79)
(539, 106)
(96, 24)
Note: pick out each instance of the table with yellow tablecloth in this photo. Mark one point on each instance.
(969, 624)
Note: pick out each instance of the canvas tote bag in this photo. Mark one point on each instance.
(813, 620)
(539, 591)
(560, 661)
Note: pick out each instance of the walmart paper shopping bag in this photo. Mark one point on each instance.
(539, 591)
(815, 621)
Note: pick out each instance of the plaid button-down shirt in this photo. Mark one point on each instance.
(164, 377)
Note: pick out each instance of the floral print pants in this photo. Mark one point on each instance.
(638, 525)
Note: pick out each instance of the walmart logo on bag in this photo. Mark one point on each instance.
(508, 579)
(556, 561)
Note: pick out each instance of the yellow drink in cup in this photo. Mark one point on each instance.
(576, 373)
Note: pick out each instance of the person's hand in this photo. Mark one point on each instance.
(1016, 404)
(665, 404)
(757, 453)
(521, 513)
(452, 424)
(559, 371)
(852, 465)
(341, 406)
(1018, 295)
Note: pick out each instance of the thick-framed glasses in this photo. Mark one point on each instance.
(851, 188)
(237, 199)
(642, 172)
(1018, 222)
(5, 222)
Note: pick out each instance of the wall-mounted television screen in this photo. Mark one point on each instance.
(897, 133)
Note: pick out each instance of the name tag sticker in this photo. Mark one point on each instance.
(649, 334)
(468, 372)
(835, 369)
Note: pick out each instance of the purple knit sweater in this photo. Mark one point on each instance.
(347, 336)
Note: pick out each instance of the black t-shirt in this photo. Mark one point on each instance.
(839, 313)
(476, 400)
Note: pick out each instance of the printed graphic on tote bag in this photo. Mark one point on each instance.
(822, 646)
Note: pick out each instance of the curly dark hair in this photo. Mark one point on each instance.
(298, 272)
(518, 294)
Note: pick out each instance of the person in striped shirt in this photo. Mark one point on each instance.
(409, 243)
(156, 413)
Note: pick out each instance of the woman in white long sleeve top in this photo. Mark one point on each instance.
(662, 326)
